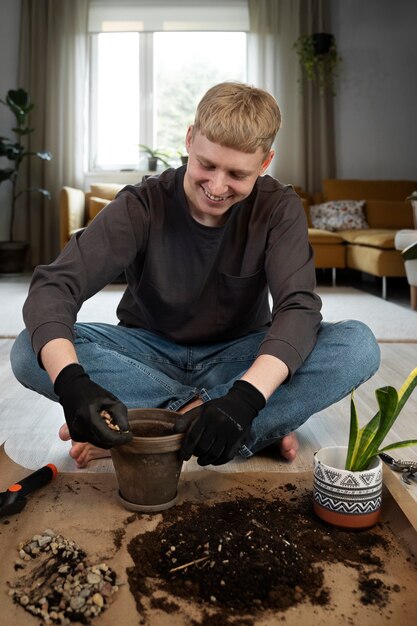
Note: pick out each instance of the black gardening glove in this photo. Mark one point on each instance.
(218, 428)
(86, 405)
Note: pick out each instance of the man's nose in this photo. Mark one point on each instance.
(218, 183)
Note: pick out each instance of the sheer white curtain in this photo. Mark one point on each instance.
(53, 69)
(272, 65)
(305, 143)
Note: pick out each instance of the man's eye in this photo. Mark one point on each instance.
(207, 167)
(238, 176)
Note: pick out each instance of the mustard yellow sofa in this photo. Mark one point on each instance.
(369, 250)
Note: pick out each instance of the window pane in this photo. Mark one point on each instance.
(186, 64)
(116, 94)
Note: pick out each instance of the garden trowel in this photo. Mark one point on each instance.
(14, 500)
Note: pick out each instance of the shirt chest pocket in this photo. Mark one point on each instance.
(239, 297)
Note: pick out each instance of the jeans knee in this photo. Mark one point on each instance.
(21, 357)
(364, 348)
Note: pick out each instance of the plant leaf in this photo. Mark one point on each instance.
(387, 398)
(406, 389)
(399, 444)
(353, 434)
(367, 434)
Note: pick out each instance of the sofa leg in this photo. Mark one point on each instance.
(333, 277)
(413, 297)
(384, 287)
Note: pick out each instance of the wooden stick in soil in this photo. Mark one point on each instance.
(175, 569)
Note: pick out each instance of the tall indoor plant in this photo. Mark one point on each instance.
(12, 252)
(348, 479)
(319, 59)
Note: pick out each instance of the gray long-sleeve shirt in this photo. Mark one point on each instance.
(189, 282)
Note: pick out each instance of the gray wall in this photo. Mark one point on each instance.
(376, 102)
(9, 51)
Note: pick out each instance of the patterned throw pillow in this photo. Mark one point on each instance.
(339, 215)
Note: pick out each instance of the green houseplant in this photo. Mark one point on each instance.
(319, 59)
(347, 489)
(154, 155)
(365, 443)
(12, 253)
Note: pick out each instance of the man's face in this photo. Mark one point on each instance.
(218, 177)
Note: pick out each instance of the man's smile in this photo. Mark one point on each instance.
(214, 198)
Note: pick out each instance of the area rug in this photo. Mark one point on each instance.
(389, 321)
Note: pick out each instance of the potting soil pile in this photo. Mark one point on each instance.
(250, 555)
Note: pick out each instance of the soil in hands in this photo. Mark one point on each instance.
(248, 555)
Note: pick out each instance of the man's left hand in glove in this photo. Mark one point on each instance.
(219, 427)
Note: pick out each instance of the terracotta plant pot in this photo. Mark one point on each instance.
(148, 468)
(343, 498)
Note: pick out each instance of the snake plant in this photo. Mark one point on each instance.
(365, 443)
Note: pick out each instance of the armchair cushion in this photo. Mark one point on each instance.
(95, 205)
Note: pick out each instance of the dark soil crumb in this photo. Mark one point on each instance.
(164, 605)
(130, 519)
(118, 536)
(373, 590)
(249, 555)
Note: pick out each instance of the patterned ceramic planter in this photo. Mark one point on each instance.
(343, 498)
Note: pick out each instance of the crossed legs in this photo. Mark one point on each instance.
(145, 370)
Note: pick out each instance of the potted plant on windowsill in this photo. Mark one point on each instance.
(12, 252)
(154, 155)
(348, 480)
(183, 157)
(319, 59)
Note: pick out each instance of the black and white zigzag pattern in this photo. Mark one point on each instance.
(352, 508)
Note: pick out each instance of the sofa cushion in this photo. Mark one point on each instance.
(95, 205)
(338, 189)
(373, 237)
(315, 235)
(338, 215)
(389, 214)
(106, 190)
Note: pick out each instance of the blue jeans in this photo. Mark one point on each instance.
(145, 370)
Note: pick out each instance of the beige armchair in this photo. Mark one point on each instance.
(406, 241)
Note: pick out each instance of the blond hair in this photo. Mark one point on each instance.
(238, 116)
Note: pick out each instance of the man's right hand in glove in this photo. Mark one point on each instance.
(86, 405)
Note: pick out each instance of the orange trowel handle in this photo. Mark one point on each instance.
(35, 480)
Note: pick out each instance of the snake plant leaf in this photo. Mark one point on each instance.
(406, 389)
(387, 398)
(367, 434)
(398, 444)
(410, 252)
(365, 443)
(353, 433)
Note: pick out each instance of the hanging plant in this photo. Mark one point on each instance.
(319, 59)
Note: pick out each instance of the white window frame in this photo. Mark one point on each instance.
(147, 17)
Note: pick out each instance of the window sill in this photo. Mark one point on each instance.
(114, 176)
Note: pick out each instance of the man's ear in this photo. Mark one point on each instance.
(189, 138)
(267, 161)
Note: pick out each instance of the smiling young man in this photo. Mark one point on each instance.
(202, 247)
